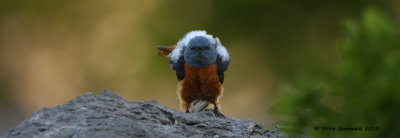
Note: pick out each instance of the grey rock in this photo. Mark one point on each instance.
(108, 115)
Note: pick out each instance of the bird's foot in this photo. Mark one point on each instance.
(217, 113)
(187, 110)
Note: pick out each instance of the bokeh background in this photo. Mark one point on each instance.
(53, 50)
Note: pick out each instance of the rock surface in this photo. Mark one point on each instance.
(109, 115)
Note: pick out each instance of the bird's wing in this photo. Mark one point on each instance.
(179, 67)
(222, 66)
(176, 64)
(223, 60)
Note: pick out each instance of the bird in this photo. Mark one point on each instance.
(200, 62)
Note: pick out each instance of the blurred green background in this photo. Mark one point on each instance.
(53, 50)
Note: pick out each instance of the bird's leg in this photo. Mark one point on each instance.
(217, 113)
(187, 110)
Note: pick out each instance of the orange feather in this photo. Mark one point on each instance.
(165, 50)
(200, 84)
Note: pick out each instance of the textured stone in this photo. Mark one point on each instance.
(109, 115)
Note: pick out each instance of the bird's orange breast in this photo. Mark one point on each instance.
(201, 84)
(201, 75)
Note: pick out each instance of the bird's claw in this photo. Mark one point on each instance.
(218, 114)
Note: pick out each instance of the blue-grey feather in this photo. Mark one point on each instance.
(179, 67)
(195, 57)
(199, 41)
(222, 66)
(203, 57)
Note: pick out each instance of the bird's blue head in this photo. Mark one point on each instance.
(200, 52)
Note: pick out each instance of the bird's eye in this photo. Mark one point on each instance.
(206, 48)
(192, 48)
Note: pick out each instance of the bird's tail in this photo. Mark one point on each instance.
(165, 50)
(199, 106)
